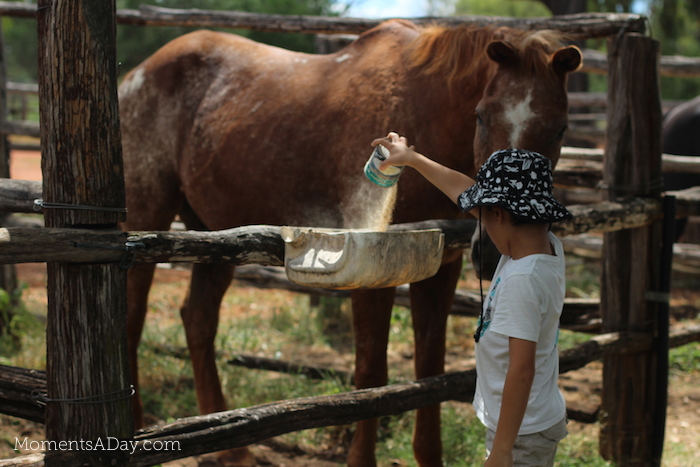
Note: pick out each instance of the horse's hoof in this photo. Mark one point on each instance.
(240, 457)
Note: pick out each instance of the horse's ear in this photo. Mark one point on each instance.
(567, 59)
(501, 52)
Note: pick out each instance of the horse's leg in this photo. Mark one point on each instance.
(139, 279)
(431, 301)
(371, 310)
(200, 316)
(156, 214)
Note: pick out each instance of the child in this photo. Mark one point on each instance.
(517, 361)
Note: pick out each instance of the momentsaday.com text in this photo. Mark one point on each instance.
(107, 444)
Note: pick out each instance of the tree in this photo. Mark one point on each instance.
(20, 43)
(520, 8)
(675, 24)
(559, 7)
(136, 43)
(605, 6)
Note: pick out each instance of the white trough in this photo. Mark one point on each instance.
(354, 258)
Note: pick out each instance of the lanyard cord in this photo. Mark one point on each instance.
(477, 334)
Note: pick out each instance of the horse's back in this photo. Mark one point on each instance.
(212, 119)
(169, 86)
(190, 65)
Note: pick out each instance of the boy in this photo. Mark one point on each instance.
(517, 361)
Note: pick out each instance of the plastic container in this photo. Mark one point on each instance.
(384, 178)
(350, 259)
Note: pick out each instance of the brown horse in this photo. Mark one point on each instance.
(225, 132)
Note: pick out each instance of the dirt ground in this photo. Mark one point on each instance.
(581, 388)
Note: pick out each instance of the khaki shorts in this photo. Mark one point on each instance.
(537, 449)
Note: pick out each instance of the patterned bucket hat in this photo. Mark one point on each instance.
(520, 182)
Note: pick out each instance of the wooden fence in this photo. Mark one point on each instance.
(631, 224)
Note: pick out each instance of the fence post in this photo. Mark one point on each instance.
(89, 395)
(630, 279)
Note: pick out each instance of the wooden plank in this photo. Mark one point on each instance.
(577, 173)
(261, 244)
(20, 128)
(243, 245)
(578, 168)
(586, 25)
(595, 61)
(669, 162)
(609, 216)
(19, 195)
(16, 388)
(578, 26)
(253, 244)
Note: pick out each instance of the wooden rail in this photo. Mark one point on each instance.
(595, 61)
(258, 244)
(578, 26)
(585, 25)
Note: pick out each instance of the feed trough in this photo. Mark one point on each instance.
(355, 258)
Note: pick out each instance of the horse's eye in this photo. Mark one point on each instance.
(562, 132)
(479, 120)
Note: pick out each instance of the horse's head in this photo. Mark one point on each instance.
(509, 84)
(524, 106)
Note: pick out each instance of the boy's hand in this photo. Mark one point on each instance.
(449, 181)
(399, 152)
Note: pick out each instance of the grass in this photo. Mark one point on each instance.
(582, 277)
(684, 359)
(24, 323)
(283, 325)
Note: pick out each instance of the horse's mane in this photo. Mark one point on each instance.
(460, 52)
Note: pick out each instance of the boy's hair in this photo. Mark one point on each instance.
(517, 220)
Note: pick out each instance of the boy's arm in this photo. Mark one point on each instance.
(449, 181)
(516, 392)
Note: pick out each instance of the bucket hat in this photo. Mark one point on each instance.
(518, 181)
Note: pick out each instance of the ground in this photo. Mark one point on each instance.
(580, 387)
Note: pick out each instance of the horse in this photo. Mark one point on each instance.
(223, 132)
(679, 137)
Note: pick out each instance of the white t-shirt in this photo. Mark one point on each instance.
(524, 301)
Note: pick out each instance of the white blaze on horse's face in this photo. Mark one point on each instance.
(519, 116)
